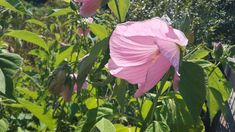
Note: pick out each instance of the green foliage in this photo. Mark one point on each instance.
(29, 37)
(193, 87)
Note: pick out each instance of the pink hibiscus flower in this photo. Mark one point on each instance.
(88, 7)
(142, 52)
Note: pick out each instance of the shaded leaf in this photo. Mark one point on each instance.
(158, 126)
(193, 87)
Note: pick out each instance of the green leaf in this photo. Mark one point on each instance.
(37, 22)
(175, 113)
(158, 126)
(214, 102)
(145, 108)
(85, 65)
(9, 64)
(95, 115)
(28, 92)
(123, 6)
(2, 82)
(232, 51)
(92, 103)
(217, 80)
(119, 92)
(7, 5)
(121, 128)
(105, 125)
(99, 30)
(3, 125)
(64, 54)
(199, 54)
(39, 112)
(193, 87)
(29, 37)
(60, 12)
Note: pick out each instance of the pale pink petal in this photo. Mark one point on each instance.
(133, 74)
(88, 7)
(171, 51)
(131, 51)
(154, 74)
(182, 40)
(155, 27)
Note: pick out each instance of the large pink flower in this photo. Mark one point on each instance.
(142, 52)
(88, 7)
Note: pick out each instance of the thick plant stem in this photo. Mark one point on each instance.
(118, 11)
(149, 117)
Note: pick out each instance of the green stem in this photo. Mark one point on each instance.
(149, 117)
(119, 15)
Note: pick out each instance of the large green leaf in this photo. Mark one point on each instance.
(105, 125)
(2, 82)
(7, 5)
(193, 87)
(158, 126)
(29, 37)
(123, 6)
(39, 112)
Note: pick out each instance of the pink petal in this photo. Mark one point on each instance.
(170, 51)
(88, 7)
(182, 40)
(155, 27)
(131, 51)
(154, 74)
(133, 74)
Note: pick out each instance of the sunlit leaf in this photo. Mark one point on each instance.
(37, 22)
(39, 112)
(105, 125)
(99, 30)
(92, 103)
(62, 55)
(2, 82)
(29, 37)
(199, 54)
(7, 5)
(145, 108)
(3, 125)
(123, 6)
(60, 12)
